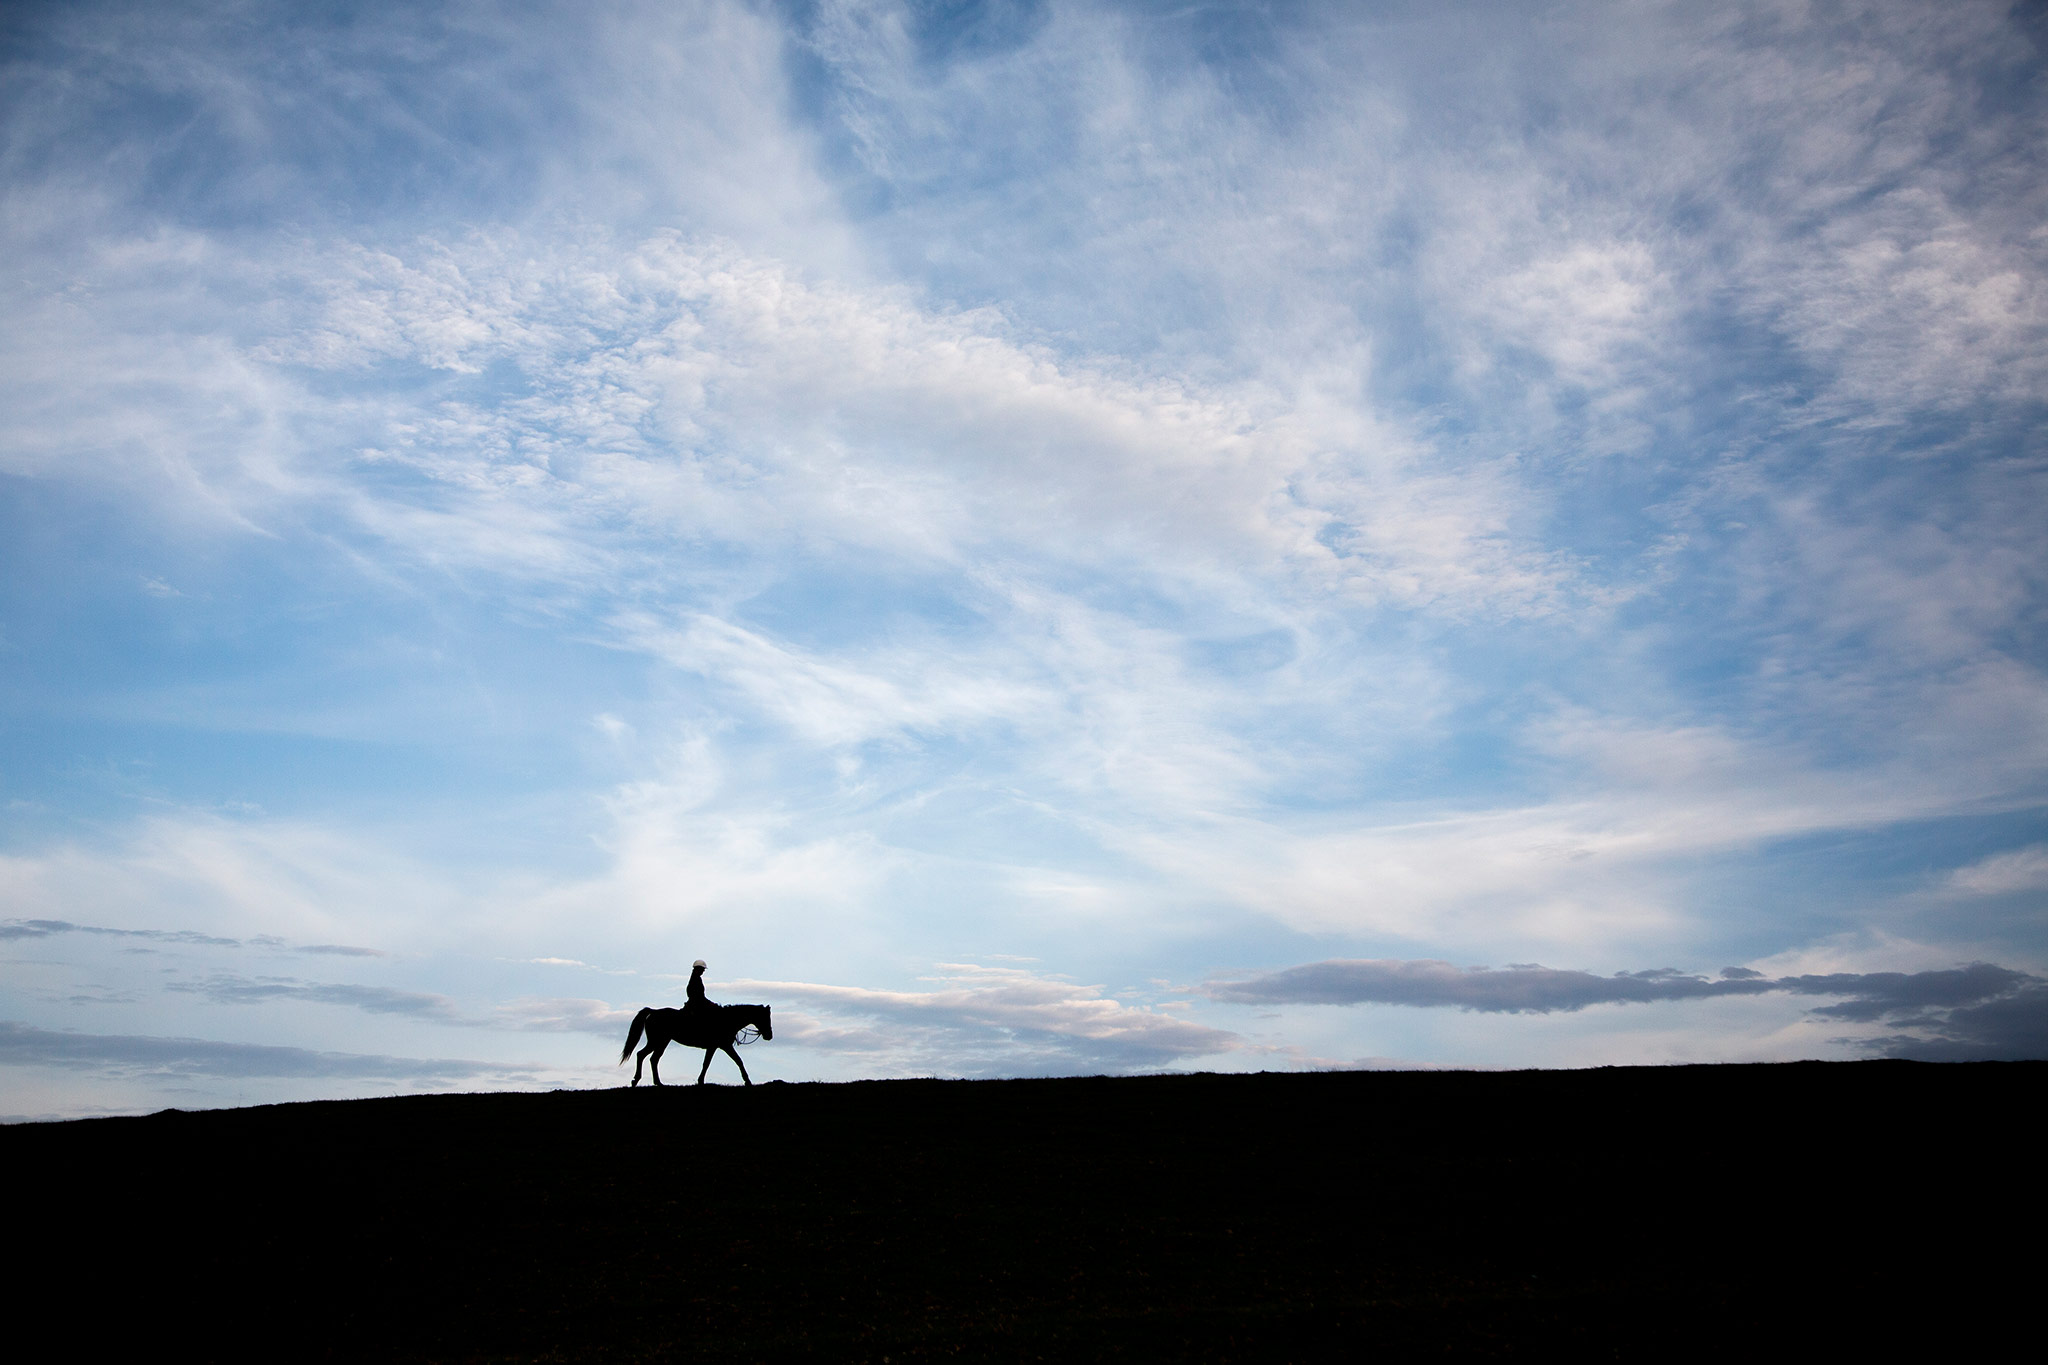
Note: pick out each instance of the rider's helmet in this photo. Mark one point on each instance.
(698, 965)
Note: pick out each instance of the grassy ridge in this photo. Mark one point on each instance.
(1624, 1213)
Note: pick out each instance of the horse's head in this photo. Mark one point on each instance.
(754, 1024)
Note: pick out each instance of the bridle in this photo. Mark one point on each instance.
(749, 1034)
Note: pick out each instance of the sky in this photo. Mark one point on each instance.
(1036, 538)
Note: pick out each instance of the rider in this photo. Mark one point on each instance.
(697, 1009)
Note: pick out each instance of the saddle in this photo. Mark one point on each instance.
(698, 1025)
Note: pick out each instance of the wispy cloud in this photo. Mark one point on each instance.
(2022, 869)
(1001, 1020)
(24, 1045)
(228, 989)
(47, 928)
(560, 1014)
(271, 882)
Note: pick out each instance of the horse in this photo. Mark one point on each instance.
(716, 1031)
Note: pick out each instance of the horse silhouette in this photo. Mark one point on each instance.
(714, 1030)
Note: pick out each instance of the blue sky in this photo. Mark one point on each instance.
(1033, 537)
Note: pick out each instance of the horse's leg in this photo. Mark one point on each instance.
(641, 1061)
(654, 1062)
(709, 1052)
(738, 1063)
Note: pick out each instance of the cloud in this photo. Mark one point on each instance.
(1586, 309)
(313, 880)
(2013, 1027)
(1978, 1010)
(24, 1045)
(2022, 869)
(1629, 805)
(46, 928)
(559, 1014)
(1875, 995)
(838, 704)
(228, 989)
(677, 389)
(1536, 989)
(991, 1021)
(1511, 990)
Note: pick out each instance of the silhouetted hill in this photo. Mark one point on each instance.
(1687, 1212)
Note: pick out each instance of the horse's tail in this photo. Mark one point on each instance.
(639, 1022)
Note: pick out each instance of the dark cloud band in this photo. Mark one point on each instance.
(1980, 1011)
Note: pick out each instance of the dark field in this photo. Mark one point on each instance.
(1652, 1214)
